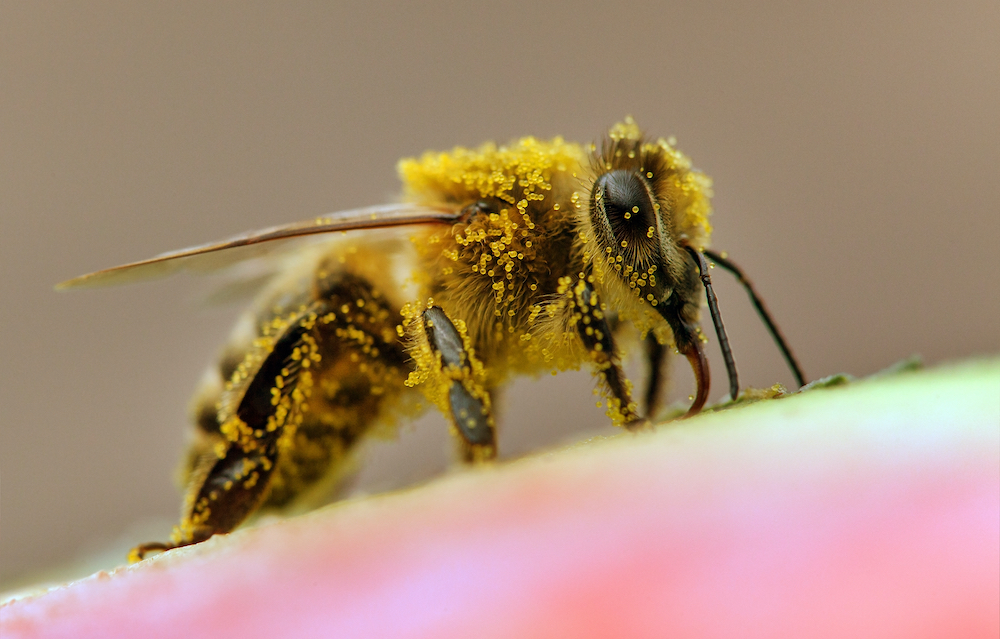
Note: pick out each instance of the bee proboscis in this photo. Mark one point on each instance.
(504, 260)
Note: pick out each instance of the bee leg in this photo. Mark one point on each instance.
(656, 355)
(362, 374)
(232, 478)
(468, 402)
(139, 552)
(232, 489)
(593, 328)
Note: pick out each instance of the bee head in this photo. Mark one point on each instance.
(635, 231)
(626, 217)
(645, 203)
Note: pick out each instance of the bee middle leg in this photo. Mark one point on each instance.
(469, 406)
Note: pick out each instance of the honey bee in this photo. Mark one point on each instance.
(520, 259)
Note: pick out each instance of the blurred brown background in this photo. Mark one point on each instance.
(854, 149)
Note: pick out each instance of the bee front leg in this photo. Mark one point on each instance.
(468, 401)
(656, 356)
(594, 331)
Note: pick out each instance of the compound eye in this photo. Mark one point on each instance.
(623, 198)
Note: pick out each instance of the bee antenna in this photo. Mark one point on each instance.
(758, 304)
(720, 329)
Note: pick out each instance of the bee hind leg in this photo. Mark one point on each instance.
(469, 405)
(139, 552)
(232, 489)
(231, 479)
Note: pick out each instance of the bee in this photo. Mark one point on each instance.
(498, 261)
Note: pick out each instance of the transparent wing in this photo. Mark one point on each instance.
(217, 255)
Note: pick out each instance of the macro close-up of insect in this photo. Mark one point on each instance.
(521, 259)
(499, 319)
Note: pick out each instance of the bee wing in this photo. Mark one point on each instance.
(217, 255)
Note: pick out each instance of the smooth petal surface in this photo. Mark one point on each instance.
(866, 511)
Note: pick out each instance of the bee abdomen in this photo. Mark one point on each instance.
(359, 382)
(308, 386)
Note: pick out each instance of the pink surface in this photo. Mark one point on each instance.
(789, 529)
